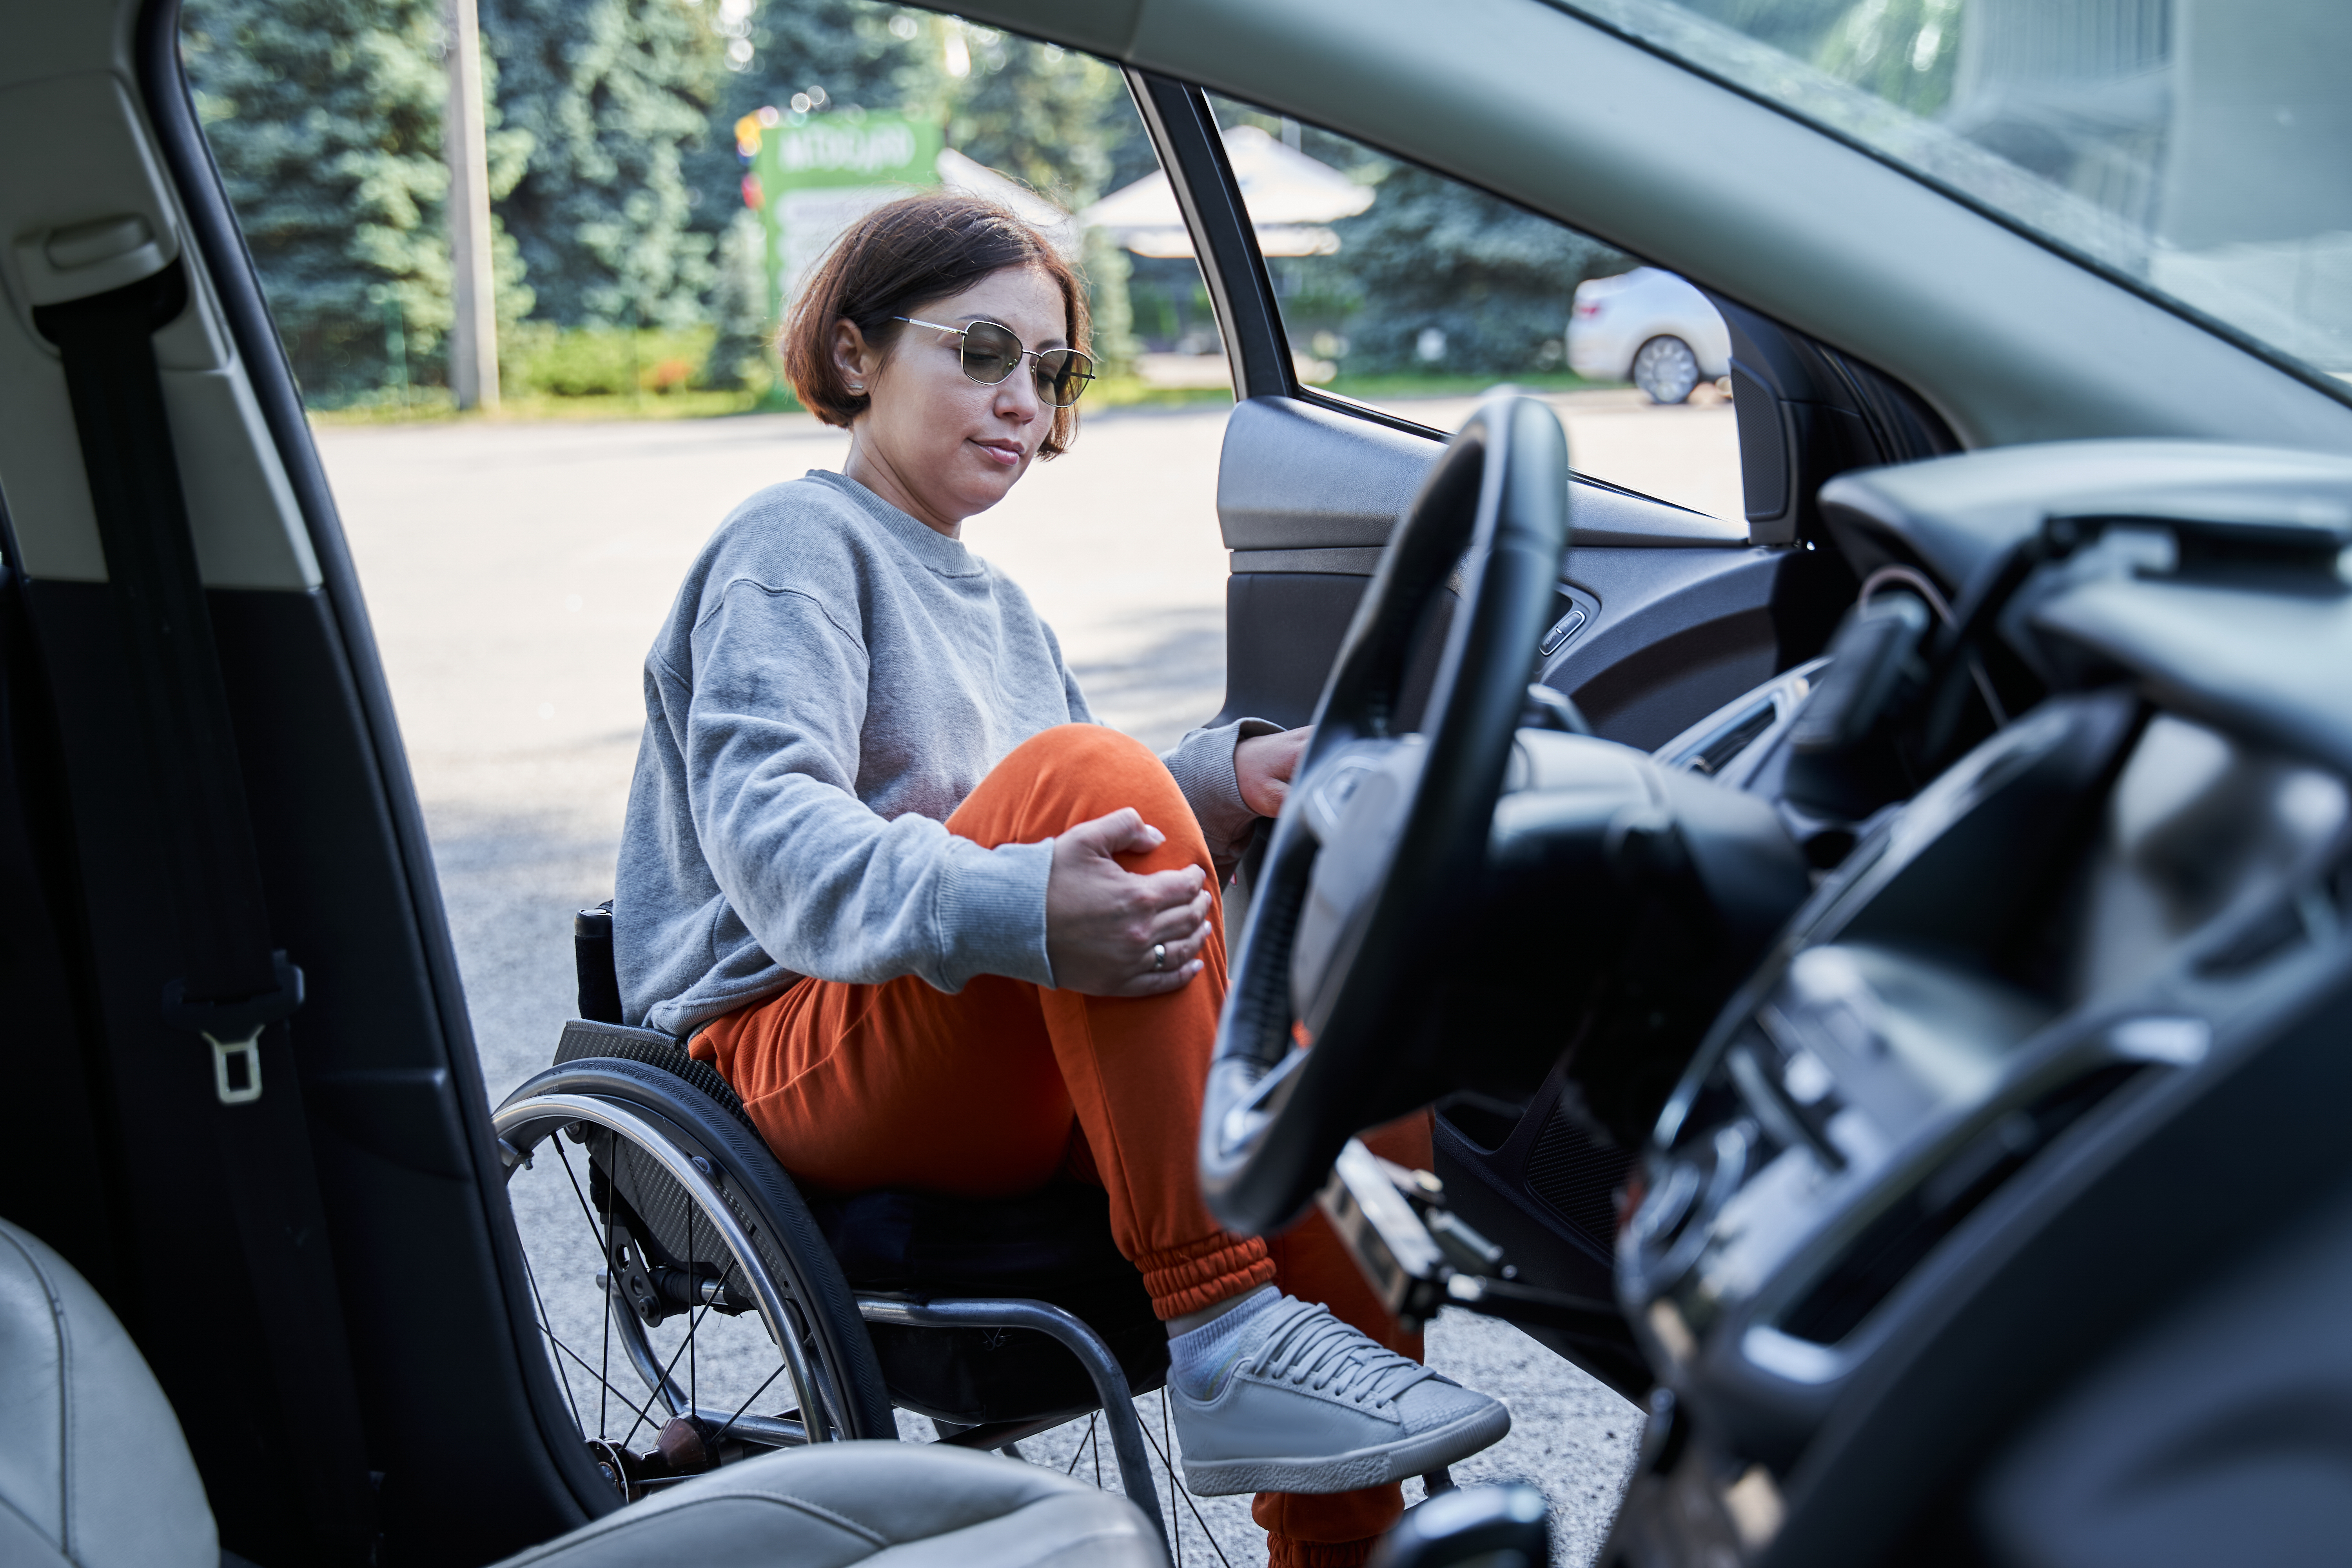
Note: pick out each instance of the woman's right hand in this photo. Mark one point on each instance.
(1102, 919)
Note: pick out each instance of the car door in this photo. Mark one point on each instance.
(1681, 608)
(1664, 612)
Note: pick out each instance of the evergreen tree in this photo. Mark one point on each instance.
(325, 118)
(1043, 114)
(1049, 117)
(618, 96)
(843, 49)
(1443, 267)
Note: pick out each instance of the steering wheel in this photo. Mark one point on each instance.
(1378, 855)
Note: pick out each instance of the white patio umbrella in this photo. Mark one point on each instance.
(1290, 198)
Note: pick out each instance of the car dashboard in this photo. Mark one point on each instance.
(1974, 1116)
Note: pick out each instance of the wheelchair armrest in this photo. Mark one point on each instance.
(593, 1037)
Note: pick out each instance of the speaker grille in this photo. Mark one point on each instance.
(1578, 1178)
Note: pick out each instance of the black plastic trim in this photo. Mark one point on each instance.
(1340, 404)
(229, 266)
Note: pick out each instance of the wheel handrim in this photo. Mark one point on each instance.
(701, 1379)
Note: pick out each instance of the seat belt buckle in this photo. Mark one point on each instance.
(233, 1029)
(236, 1068)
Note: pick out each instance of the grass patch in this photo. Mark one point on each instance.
(1134, 392)
(540, 360)
(1367, 387)
(546, 372)
(439, 409)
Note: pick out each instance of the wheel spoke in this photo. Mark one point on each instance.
(547, 1326)
(1178, 1487)
(747, 1404)
(604, 1238)
(615, 1158)
(693, 1318)
(576, 1356)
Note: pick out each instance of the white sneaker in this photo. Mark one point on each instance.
(1302, 1403)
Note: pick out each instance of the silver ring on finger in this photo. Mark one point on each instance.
(1159, 956)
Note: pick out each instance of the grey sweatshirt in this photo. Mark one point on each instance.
(834, 678)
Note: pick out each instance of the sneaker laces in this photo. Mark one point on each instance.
(1315, 1350)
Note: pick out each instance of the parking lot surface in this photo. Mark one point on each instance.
(516, 574)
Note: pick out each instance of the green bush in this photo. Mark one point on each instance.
(538, 359)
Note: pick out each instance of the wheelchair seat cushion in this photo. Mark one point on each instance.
(897, 1240)
(881, 1504)
(1051, 1246)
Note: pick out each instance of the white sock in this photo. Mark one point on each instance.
(1197, 1356)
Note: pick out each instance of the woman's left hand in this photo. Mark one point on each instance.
(1264, 763)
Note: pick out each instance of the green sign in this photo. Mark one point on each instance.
(811, 181)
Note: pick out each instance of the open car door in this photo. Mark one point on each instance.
(1664, 614)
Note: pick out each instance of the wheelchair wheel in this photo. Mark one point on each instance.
(685, 1299)
(693, 1314)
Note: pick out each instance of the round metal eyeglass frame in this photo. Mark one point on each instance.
(1062, 373)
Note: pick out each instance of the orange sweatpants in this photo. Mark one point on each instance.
(998, 1088)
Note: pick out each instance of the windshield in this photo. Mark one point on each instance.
(2202, 149)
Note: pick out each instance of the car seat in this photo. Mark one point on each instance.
(95, 1473)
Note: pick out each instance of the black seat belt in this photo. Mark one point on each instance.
(235, 984)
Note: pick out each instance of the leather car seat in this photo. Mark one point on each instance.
(93, 1469)
(94, 1473)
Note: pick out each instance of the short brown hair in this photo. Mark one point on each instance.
(903, 255)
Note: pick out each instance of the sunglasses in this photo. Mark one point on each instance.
(992, 353)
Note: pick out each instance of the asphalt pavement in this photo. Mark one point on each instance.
(516, 574)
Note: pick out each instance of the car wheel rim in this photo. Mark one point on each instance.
(1666, 369)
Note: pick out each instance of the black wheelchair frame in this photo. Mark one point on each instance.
(668, 1142)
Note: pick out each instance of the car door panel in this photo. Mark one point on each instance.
(1679, 612)
(1678, 634)
(1295, 475)
(1662, 615)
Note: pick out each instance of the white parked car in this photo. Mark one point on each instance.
(1650, 328)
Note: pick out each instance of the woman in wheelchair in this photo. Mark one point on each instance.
(938, 929)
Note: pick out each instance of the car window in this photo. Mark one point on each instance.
(2198, 152)
(1410, 292)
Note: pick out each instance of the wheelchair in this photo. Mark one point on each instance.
(752, 1316)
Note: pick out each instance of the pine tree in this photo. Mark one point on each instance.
(846, 50)
(618, 96)
(325, 118)
(1493, 283)
(1043, 114)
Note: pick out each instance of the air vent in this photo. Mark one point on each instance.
(1578, 1178)
(1895, 1243)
